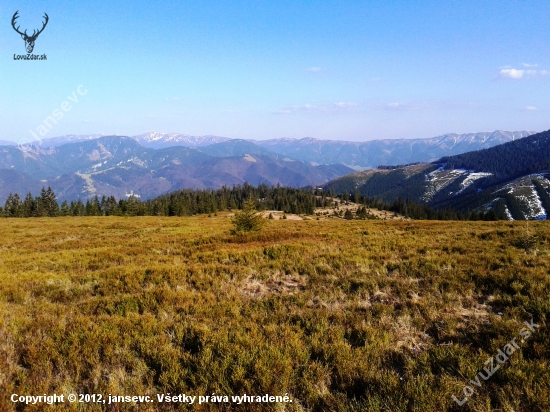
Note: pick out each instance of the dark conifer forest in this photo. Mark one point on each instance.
(194, 202)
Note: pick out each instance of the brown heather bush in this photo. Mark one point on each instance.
(342, 315)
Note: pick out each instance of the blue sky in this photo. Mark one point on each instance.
(347, 70)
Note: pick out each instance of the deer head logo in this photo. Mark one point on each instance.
(29, 40)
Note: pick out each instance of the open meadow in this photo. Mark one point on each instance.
(340, 315)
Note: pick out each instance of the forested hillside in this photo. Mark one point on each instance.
(510, 181)
(506, 161)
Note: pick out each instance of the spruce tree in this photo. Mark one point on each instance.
(78, 208)
(8, 206)
(29, 206)
(52, 208)
(17, 206)
(42, 203)
(247, 220)
(65, 211)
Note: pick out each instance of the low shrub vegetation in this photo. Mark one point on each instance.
(358, 315)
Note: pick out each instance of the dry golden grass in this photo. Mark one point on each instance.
(342, 315)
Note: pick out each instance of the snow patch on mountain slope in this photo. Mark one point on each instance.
(527, 196)
(471, 178)
(440, 178)
(508, 214)
(533, 205)
(177, 139)
(498, 136)
(524, 183)
(137, 161)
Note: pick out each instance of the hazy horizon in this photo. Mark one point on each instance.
(259, 139)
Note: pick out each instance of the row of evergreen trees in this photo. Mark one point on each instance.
(46, 205)
(43, 205)
(178, 203)
(191, 202)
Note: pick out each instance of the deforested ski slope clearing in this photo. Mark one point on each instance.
(340, 315)
(512, 179)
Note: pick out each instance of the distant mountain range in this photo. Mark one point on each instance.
(387, 152)
(157, 140)
(119, 166)
(512, 179)
(154, 140)
(357, 155)
(82, 166)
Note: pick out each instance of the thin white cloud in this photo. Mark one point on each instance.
(284, 111)
(516, 74)
(530, 66)
(345, 104)
(314, 70)
(344, 107)
(531, 108)
(403, 106)
(396, 105)
(337, 107)
(511, 74)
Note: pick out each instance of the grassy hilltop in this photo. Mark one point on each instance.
(341, 315)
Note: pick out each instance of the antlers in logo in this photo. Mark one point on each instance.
(29, 40)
